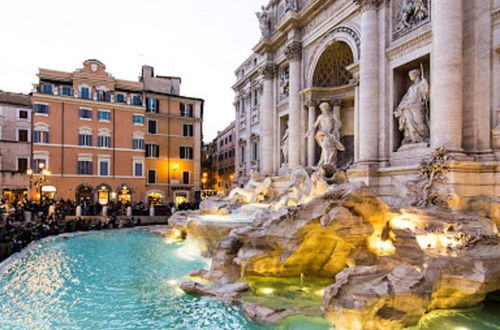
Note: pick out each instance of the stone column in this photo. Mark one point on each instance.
(294, 55)
(447, 75)
(311, 141)
(369, 83)
(268, 73)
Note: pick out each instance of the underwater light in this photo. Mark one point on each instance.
(266, 290)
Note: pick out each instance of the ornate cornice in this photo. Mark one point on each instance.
(406, 46)
(368, 4)
(269, 70)
(294, 51)
(310, 101)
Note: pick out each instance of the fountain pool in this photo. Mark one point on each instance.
(124, 279)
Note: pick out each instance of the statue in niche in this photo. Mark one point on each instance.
(285, 146)
(264, 17)
(291, 5)
(284, 83)
(256, 189)
(328, 127)
(411, 112)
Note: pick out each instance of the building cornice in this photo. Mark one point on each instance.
(84, 102)
(405, 46)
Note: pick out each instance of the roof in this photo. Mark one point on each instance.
(18, 99)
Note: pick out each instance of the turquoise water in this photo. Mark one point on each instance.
(121, 279)
(128, 279)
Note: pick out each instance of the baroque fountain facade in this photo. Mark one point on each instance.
(368, 155)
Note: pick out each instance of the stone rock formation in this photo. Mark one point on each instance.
(390, 266)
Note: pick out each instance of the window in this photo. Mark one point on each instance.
(136, 99)
(85, 114)
(185, 177)
(152, 105)
(85, 93)
(186, 153)
(22, 165)
(242, 154)
(42, 108)
(84, 167)
(137, 144)
(152, 129)
(187, 130)
(230, 138)
(255, 150)
(66, 91)
(152, 151)
(40, 137)
(138, 169)
(84, 139)
(120, 98)
(138, 119)
(103, 95)
(104, 141)
(186, 110)
(47, 89)
(103, 115)
(151, 176)
(104, 167)
(22, 135)
(36, 164)
(255, 97)
(22, 114)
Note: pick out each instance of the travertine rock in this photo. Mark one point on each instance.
(228, 292)
(264, 315)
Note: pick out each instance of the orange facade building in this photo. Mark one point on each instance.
(102, 138)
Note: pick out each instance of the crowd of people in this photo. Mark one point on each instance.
(22, 222)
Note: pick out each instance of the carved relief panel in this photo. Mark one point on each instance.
(408, 15)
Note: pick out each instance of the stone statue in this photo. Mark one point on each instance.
(328, 135)
(412, 110)
(297, 188)
(291, 5)
(256, 189)
(264, 22)
(285, 146)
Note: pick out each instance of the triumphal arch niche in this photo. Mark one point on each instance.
(398, 78)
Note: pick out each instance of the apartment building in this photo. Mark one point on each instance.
(173, 140)
(15, 148)
(225, 159)
(95, 133)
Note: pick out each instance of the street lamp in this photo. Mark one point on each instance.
(39, 178)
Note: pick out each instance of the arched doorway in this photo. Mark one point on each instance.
(84, 192)
(124, 194)
(155, 197)
(333, 83)
(103, 194)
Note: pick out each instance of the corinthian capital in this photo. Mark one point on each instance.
(269, 70)
(294, 51)
(369, 4)
(310, 101)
